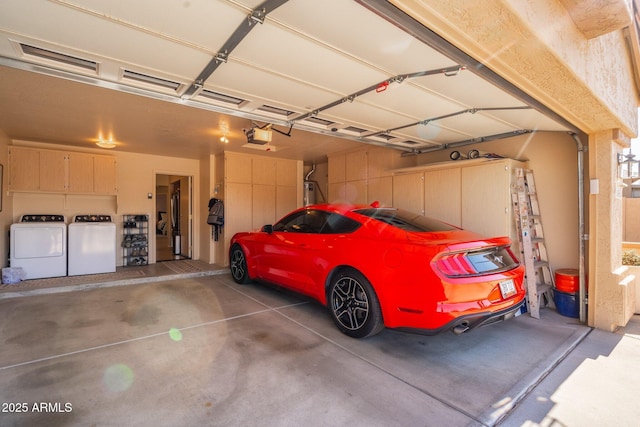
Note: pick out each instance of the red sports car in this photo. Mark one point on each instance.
(384, 267)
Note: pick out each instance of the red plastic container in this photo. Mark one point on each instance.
(568, 280)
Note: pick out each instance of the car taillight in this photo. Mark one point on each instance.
(455, 265)
(477, 262)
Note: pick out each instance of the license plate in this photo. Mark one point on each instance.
(507, 288)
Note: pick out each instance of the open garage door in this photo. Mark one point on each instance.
(358, 70)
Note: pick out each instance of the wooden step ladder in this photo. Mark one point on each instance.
(538, 276)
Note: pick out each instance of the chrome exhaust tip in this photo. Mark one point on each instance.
(461, 328)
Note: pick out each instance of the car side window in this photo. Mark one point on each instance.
(339, 224)
(307, 221)
(317, 222)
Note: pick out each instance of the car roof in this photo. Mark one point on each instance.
(344, 207)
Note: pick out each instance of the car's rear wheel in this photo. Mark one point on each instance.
(354, 305)
(238, 265)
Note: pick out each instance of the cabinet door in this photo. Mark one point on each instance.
(286, 200)
(237, 168)
(81, 177)
(381, 190)
(442, 195)
(354, 192)
(408, 192)
(337, 169)
(24, 169)
(356, 166)
(263, 205)
(238, 205)
(53, 171)
(104, 175)
(263, 170)
(485, 201)
(286, 172)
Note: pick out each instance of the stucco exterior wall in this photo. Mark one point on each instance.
(631, 222)
(611, 290)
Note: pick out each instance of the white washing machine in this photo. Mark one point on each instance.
(92, 245)
(38, 244)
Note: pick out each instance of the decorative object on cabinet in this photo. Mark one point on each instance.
(135, 240)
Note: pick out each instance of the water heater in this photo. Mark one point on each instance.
(309, 196)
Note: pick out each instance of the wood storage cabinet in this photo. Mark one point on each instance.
(38, 170)
(472, 194)
(364, 175)
(258, 190)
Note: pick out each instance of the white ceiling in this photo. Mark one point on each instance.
(311, 60)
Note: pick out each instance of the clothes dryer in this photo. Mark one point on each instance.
(38, 244)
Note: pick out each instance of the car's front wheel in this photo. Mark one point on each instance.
(238, 265)
(354, 305)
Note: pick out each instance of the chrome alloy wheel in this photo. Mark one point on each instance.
(238, 265)
(350, 303)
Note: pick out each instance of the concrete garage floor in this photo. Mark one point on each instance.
(205, 351)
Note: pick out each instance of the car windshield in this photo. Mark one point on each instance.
(405, 220)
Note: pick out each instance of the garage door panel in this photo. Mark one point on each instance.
(389, 47)
(528, 119)
(476, 125)
(95, 34)
(412, 100)
(322, 66)
(468, 89)
(368, 116)
(163, 20)
(280, 89)
(431, 134)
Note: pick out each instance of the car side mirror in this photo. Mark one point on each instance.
(267, 228)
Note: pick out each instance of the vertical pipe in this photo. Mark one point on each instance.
(582, 282)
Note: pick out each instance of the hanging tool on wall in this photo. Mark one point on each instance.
(216, 217)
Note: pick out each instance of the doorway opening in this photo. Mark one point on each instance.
(173, 222)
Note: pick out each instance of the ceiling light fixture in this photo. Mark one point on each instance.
(224, 139)
(102, 143)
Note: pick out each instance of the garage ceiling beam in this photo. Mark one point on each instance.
(256, 16)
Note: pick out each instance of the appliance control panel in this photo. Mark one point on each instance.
(92, 218)
(42, 218)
